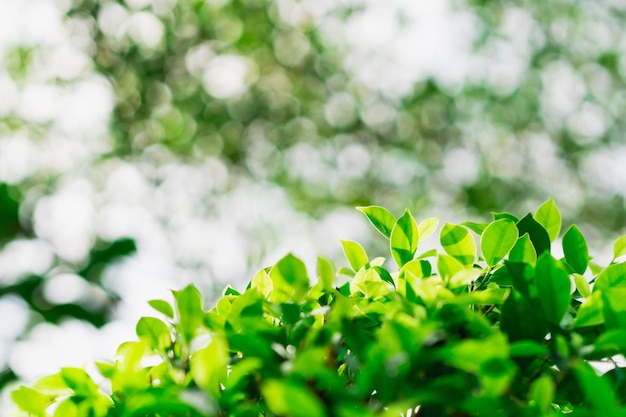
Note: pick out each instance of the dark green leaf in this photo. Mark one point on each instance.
(538, 235)
(575, 250)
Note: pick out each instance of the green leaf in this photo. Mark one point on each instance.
(209, 366)
(381, 218)
(190, 312)
(520, 320)
(404, 239)
(154, 332)
(459, 243)
(529, 348)
(477, 228)
(575, 250)
(619, 247)
(542, 394)
(289, 278)
(598, 392)
(553, 285)
(31, 401)
(448, 266)
(549, 216)
(325, 272)
(497, 240)
(523, 251)
(356, 255)
(582, 285)
(612, 276)
(590, 313)
(79, 381)
(614, 309)
(262, 282)
(286, 398)
(427, 227)
(538, 235)
(162, 307)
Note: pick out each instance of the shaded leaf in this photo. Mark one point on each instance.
(523, 251)
(553, 285)
(575, 250)
(538, 235)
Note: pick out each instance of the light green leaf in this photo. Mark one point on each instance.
(553, 286)
(549, 216)
(612, 276)
(582, 285)
(154, 332)
(575, 250)
(614, 308)
(262, 282)
(381, 218)
(497, 240)
(325, 272)
(590, 313)
(79, 381)
(459, 243)
(286, 398)
(190, 312)
(209, 366)
(290, 279)
(523, 251)
(162, 307)
(427, 227)
(477, 228)
(31, 401)
(448, 266)
(356, 255)
(619, 247)
(404, 239)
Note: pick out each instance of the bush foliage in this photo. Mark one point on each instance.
(491, 324)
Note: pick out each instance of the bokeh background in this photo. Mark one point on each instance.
(145, 144)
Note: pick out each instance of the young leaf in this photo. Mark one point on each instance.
(553, 285)
(209, 366)
(289, 278)
(404, 239)
(448, 266)
(549, 216)
(427, 227)
(325, 272)
(538, 235)
(262, 282)
(477, 228)
(610, 277)
(619, 247)
(523, 251)
(381, 218)
(542, 393)
(457, 242)
(154, 331)
(356, 255)
(190, 313)
(582, 285)
(31, 401)
(162, 307)
(575, 250)
(590, 313)
(497, 240)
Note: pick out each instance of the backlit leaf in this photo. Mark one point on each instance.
(575, 250)
(448, 266)
(162, 307)
(209, 366)
(356, 255)
(404, 239)
(549, 216)
(497, 240)
(612, 276)
(619, 247)
(325, 272)
(289, 278)
(286, 398)
(523, 251)
(189, 308)
(154, 331)
(381, 218)
(31, 401)
(459, 243)
(427, 227)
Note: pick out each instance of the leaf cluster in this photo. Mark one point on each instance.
(491, 324)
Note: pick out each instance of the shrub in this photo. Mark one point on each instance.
(491, 325)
